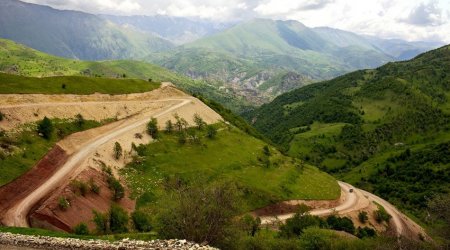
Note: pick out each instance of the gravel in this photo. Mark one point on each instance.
(53, 243)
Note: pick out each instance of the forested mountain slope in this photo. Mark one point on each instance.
(386, 130)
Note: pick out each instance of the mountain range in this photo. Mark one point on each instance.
(256, 59)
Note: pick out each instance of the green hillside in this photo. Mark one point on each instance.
(73, 34)
(232, 156)
(386, 130)
(259, 53)
(20, 60)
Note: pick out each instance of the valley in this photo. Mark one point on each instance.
(224, 125)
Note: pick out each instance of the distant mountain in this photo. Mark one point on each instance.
(256, 57)
(178, 30)
(385, 129)
(20, 60)
(73, 34)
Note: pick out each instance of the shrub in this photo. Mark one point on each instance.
(198, 120)
(94, 187)
(45, 127)
(141, 221)
(81, 229)
(266, 150)
(250, 224)
(365, 232)
(80, 187)
(63, 203)
(295, 226)
(118, 219)
(362, 216)
(116, 188)
(169, 126)
(201, 214)
(79, 120)
(211, 132)
(182, 138)
(1, 116)
(381, 215)
(152, 128)
(341, 224)
(101, 222)
(117, 151)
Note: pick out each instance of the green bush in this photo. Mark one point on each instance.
(363, 217)
(1, 116)
(381, 215)
(141, 221)
(81, 229)
(45, 127)
(295, 226)
(80, 187)
(94, 187)
(152, 128)
(117, 151)
(198, 120)
(63, 203)
(211, 132)
(118, 219)
(101, 222)
(116, 188)
(365, 232)
(341, 224)
(250, 224)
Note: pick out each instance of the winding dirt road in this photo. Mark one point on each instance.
(403, 225)
(17, 215)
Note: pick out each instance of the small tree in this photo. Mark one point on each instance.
(1, 116)
(116, 188)
(45, 127)
(63, 203)
(81, 229)
(169, 126)
(362, 216)
(250, 225)
(180, 123)
(79, 120)
(381, 215)
(199, 121)
(117, 151)
(101, 222)
(211, 132)
(266, 150)
(63, 86)
(152, 128)
(141, 221)
(94, 187)
(118, 219)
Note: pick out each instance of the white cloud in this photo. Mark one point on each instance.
(406, 19)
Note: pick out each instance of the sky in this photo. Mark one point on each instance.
(413, 20)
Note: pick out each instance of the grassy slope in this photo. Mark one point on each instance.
(235, 156)
(386, 130)
(28, 147)
(18, 59)
(12, 84)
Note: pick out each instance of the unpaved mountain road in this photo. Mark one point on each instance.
(354, 201)
(17, 215)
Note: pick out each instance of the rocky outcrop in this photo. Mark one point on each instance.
(52, 243)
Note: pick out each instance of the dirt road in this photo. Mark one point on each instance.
(17, 216)
(354, 201)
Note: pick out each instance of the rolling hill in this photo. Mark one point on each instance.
(386, 129)
(73, 34)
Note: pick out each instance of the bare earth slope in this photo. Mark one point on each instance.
(95, 145)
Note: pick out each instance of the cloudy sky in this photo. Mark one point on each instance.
(407, 19)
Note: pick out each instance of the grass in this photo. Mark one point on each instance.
(29, 147)
(233, 155)
(12, 84)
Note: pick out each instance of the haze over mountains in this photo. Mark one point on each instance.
(257, 59)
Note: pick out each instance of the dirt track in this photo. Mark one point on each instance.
(83, 145)
(354, 202)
